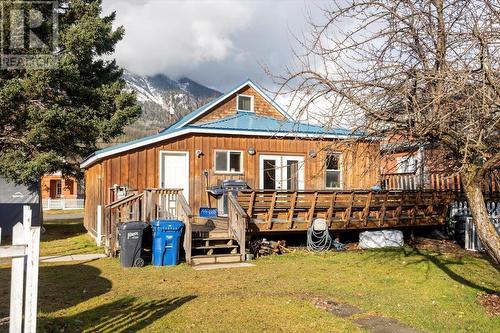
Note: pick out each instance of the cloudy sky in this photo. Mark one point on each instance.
(217, 43)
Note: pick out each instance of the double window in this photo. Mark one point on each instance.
(228, 161)
(406, 164)
(244, 103)
(333, 174)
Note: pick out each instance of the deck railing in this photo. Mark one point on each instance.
(400, 181)
(152, 204)
(237, 219)
(436, 181)
(344, 210)
(185, 214)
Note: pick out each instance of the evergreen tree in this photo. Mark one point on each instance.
(51, 118)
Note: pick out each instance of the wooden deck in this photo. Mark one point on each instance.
(344, 210)
(253, 212)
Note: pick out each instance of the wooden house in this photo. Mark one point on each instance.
(55, 186)
(408, 166)
(244, 135)
(61, 192)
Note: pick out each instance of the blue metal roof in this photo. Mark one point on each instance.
(249, 121)
(198, 112)
(241, 121)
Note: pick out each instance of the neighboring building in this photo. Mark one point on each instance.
(55, 186)
(242, 135)
(12, 199)
(60, 192)
(408, 166)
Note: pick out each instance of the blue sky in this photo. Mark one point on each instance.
(217, 43)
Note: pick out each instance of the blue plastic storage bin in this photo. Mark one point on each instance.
(208, 212)
(166, 241)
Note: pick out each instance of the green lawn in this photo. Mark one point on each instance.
(62, 211)
(65, 238)
(429, 291)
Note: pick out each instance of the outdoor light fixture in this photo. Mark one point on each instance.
(312, 153)
(251, 151)
(198, 153)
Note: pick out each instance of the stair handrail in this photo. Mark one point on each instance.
(185, 214)
(237, 219)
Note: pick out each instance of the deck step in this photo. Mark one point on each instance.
(221, 246)
(213, 239)
(215, 259)
(218, 234)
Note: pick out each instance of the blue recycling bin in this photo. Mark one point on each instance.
(166, 240)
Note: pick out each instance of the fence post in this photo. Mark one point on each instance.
(17, 283)
(63, 203)
(32, 237)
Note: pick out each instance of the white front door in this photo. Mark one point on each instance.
(174, 171)
(281, 172)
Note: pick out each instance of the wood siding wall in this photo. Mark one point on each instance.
(139, 169)
(228, 108)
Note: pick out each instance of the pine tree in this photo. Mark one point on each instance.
(51, 118)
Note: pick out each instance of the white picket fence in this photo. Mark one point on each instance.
(472, 242)
(63, 203)
(462, 208)
(25, 255)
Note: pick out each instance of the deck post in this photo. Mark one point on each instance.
(292, 209)
(98, 225)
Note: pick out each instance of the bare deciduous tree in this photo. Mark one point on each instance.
(423, 71)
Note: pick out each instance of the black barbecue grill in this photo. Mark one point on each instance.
(223, 188)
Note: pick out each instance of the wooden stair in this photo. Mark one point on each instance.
(212, 243)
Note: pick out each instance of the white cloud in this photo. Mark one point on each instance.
(218, 43)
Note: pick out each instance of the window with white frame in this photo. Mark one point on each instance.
(58, 188)
(407, 164)
(244, 103)
(333, 173)
(228, 161)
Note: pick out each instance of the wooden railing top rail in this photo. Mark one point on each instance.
(124, 200)
(184, 205)
(388, 174)
(165, 190)
(237, 206)
(342, 191)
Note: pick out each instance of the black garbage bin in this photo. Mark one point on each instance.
(130, 237)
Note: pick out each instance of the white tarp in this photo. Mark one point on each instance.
(381, 239)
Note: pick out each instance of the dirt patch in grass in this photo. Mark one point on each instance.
(376, 324)
(342, 310)
(371, 323)
(491, 302)
(439, 246)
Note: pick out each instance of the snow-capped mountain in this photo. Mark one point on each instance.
(164, 100)
(156, 88)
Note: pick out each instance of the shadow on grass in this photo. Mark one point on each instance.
(57, 230)
(444, 263)
(123, 315)
(440, 261)
(64, 286)
(60, 286)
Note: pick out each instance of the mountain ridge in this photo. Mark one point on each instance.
(164, 101)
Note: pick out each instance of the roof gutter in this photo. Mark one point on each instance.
(97, 156)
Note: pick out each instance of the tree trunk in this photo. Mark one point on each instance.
(485, 229)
